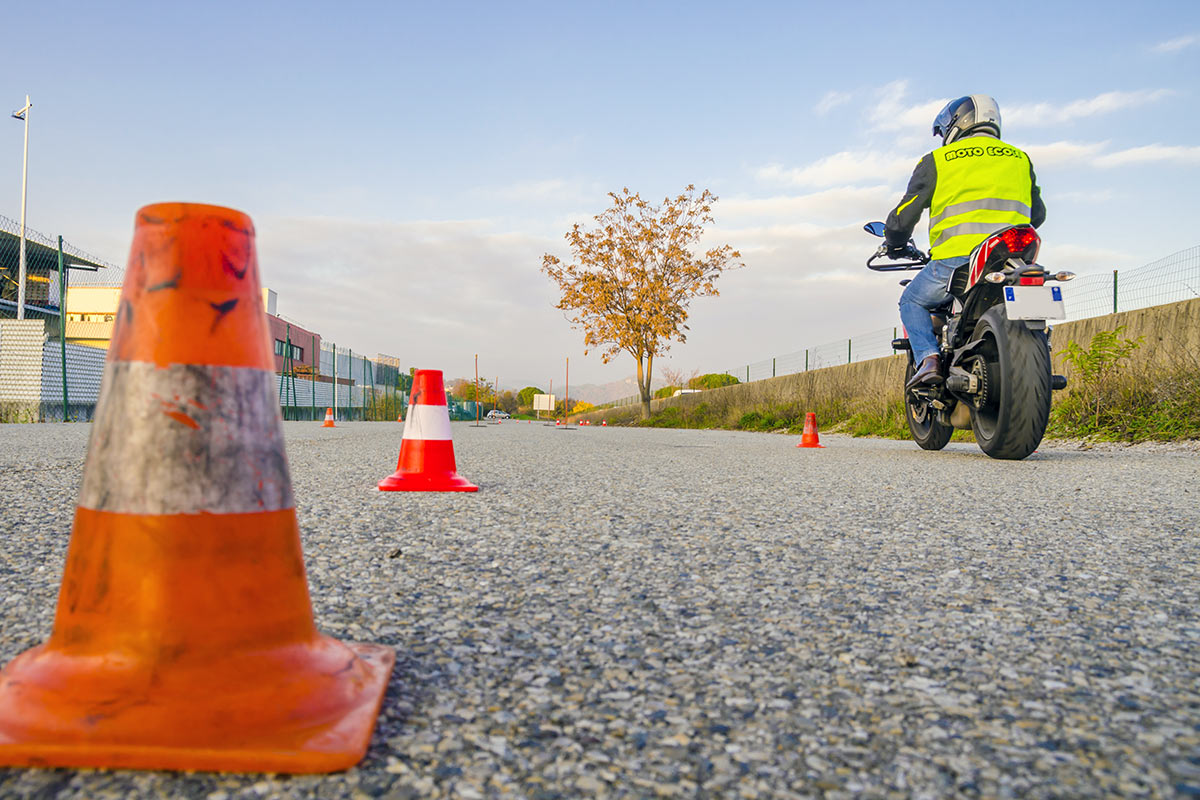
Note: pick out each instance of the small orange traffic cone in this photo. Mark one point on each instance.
(810, 438)
(184, 635)
(604, 423)
(328, 419)
(427, 451)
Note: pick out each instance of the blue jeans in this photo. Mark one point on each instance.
(926, 292)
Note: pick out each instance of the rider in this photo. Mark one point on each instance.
(973, 185)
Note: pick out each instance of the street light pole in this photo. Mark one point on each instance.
(23, 115)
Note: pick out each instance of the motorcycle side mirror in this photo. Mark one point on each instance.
(874, 228)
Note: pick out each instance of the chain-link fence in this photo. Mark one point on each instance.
(1168, 280)
(43, 374)
(52, 359)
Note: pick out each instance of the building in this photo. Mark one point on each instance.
(41, 271)
(305, 344)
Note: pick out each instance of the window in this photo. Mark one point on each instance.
(281, 348)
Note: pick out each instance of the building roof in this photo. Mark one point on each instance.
(41, 268)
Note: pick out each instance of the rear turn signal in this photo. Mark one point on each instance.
(1064, 276)
(995, 277)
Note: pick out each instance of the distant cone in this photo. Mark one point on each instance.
(427, 452)
(810, 438)
(328, 419)
(184, 635)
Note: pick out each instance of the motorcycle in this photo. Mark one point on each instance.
(994, 343)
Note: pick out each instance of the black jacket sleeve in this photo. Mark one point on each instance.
(1037, 210)
(905, 216)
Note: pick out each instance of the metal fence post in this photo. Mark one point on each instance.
(806, 359)
(335, 381)
(62, 324)
(849, 350)
(1114, 291)
(772, 367)
(316, 366)
(747, 373)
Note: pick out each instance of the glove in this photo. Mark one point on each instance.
(898, 251)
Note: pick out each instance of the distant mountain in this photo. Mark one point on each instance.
(598, 394)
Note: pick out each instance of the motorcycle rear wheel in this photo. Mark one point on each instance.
(1011, 421)
(922, 420)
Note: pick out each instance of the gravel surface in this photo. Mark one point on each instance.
(659, 613)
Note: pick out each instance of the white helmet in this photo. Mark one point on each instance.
(975, 113)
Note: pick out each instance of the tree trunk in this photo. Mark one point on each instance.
(643, 379)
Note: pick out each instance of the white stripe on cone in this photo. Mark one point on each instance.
(427, 422)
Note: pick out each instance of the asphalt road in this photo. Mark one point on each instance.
(657, 613)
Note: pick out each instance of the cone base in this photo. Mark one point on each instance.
(324, 725)
(809, 444)
(426, 482)
(328, 425)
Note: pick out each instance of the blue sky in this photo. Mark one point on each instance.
(407, 164)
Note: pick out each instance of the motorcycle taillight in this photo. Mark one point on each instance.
(1020, 238)
(1031, 281)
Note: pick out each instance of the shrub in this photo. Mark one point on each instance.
(1103, 395)
(713, 380)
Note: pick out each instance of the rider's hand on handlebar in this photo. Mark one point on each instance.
(897, 252)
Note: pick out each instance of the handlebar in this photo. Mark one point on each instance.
(918, 262)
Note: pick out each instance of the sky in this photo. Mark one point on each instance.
(408, 164)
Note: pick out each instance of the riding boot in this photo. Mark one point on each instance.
(928, 373)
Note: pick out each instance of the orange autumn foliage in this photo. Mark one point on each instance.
(634, 274)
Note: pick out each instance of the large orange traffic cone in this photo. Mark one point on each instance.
(328, 423)
(184, 635)
(427, 452)
(810, 438)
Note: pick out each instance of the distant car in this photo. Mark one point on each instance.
(496, 413)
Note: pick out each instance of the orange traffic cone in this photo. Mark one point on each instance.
(427, 452)
(810, 438)
(184, 635)
(604, 423)
(328, 423)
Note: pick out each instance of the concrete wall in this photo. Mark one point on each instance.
(1171, 335)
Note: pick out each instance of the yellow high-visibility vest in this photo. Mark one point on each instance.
(983, 185)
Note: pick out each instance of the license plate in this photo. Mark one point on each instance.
(1034, 302)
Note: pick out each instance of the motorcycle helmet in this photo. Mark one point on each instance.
(975, 113)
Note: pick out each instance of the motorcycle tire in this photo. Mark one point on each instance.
(922, 420)
(1011, 418)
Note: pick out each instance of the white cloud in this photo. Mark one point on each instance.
(893, 112)
(1175, 154)
(1083, 259)
(832, 100)
(838, 205)
(846, 167)
(1093, 153)
(1034, 114)
(432, 293)
(1177, 44)
(1063, 152)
